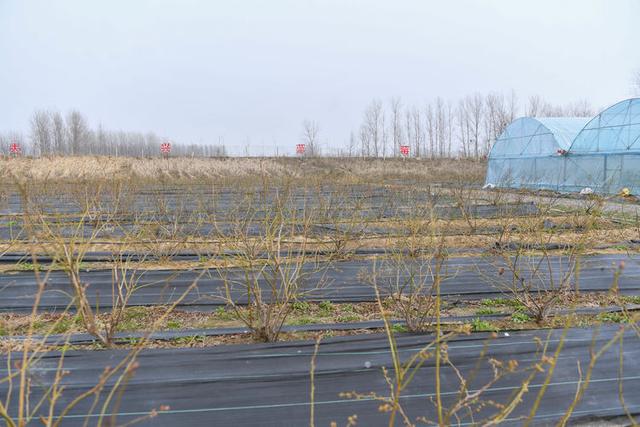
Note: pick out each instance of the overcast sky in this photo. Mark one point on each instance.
(251, 71)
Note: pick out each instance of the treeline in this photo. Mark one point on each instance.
(466, 128)
(52, 134)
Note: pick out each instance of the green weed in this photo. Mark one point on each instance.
(304, 320)
(63, 325)
(501, 302)
(174, 324)
(399, 328)
(519, 317)
(223, 314)
(487, 311)
(301, 306)
(479, 325)
(346, 318)
(326, 308)
(616, 317)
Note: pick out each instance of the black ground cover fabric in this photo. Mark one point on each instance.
(348, 281)
(269, 384)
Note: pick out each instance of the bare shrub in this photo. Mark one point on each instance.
(411, 273)
(341, 214)
(28, 398)
(68, 241)
(533, 272)
(275, 267)
(467, 402)
(464, 198)
(166, 225)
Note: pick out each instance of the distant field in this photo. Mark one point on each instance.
(89, 168)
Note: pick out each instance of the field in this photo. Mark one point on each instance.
(317, 291)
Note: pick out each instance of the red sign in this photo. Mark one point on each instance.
(299, 148)
(15, 148)
(404, 150)
(165, 147)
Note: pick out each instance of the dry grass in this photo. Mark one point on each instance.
(181, 169)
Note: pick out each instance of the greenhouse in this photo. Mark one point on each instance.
(570, 154)
(528, 153)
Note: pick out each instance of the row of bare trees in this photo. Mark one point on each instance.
(441, 128)
(51, 133)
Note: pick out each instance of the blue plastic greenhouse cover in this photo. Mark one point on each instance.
(564, 129)
(526, 153)
(602, 153)
(529, 136)
(615, 129)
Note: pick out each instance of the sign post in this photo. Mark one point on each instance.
(15, 149)
(300, 149)
(165, 149)
(404, 150)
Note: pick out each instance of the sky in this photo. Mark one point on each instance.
(248, 72)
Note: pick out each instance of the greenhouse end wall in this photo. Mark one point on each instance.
(536, 173)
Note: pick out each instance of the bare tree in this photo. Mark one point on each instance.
(550, 110)
(441, 127)
(385, 134)
(534, 106)
(580, 108)
(78, 131)
(51, 134)
(310, 132)
(41, 132)
(59, 133)
(464, 128)
(497, 118)
(372, 126)
(365, 141)
(102, 142)
(152, 142)
(414, 121)
(5, 142)
(512, 108)
(409, 128)
(352, 144)
(396, 126)
(475, 109)
(449, 128)
(431, 129)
